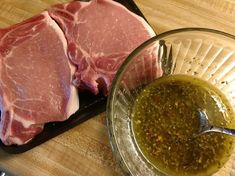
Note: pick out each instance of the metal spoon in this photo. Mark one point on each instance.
(2, 173)
(206, 127)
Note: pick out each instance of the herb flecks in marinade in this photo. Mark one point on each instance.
(165, 117)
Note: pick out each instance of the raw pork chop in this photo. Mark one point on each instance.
(35, 79)
(100, 35)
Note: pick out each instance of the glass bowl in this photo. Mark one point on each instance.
(205, 53)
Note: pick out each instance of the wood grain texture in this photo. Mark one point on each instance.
(85, 150)
(166, 15)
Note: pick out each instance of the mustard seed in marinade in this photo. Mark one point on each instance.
(164, 120)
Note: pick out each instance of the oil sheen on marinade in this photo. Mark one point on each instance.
(164, 117)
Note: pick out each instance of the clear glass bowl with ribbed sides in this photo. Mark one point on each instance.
(203, 53)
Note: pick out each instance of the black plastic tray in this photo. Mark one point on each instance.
(90, 105)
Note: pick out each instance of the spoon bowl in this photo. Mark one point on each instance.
(206, 127)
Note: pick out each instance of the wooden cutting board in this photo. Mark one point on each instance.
(85, 150)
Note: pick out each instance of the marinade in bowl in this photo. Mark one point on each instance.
(165, 121)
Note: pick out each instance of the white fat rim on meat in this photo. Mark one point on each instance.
(26, 123)
(73, 102)
(16, 140)
(5, 103)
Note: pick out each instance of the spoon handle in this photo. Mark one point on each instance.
(227, 131)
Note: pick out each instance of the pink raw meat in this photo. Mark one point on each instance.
(100, 35)
(35, 79)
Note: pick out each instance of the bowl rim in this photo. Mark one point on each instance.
(119, 73)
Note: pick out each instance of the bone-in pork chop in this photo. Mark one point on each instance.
(35, 79)
(100, 35)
